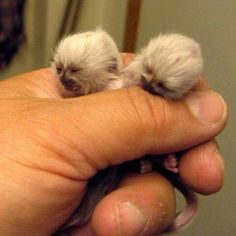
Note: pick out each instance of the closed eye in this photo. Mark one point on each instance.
(59, 69)
(75, 69)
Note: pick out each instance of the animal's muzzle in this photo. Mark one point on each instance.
(68, 83)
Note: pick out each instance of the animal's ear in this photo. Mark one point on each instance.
(113, 66)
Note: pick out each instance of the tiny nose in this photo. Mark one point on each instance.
(64, 79)
(68, 83)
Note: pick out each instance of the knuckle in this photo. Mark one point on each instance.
(159, 113)
(153, 112)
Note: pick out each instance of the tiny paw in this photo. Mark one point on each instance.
(170, 162)
(145, 166)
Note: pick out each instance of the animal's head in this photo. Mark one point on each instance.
(171, 65)
(86, 62)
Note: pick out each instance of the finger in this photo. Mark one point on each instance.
(85, 230)
(201, 85)
(207, 168)
(127, 58)
(40, 83)
(116, 126)
(143, 205)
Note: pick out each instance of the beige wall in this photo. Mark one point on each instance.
(211, 22)
(110, 14)
(43, 20)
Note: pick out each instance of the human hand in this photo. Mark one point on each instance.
(51, 147)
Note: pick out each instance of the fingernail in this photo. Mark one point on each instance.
(130, 219)
(208, 107)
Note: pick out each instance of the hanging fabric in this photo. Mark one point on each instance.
(11, 29)
(70, 18)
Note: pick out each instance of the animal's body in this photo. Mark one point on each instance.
(168, 66)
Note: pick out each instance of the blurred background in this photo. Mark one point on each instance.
(132, 23)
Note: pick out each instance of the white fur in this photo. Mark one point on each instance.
(169, 65)
(116, 84)
(93, 53)
(93, 47)
(172, 60)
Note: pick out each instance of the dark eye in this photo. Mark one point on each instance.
(59, 69)
(75, 69)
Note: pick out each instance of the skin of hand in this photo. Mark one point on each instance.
(50, 147)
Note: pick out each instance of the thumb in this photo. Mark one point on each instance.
(115, 126)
